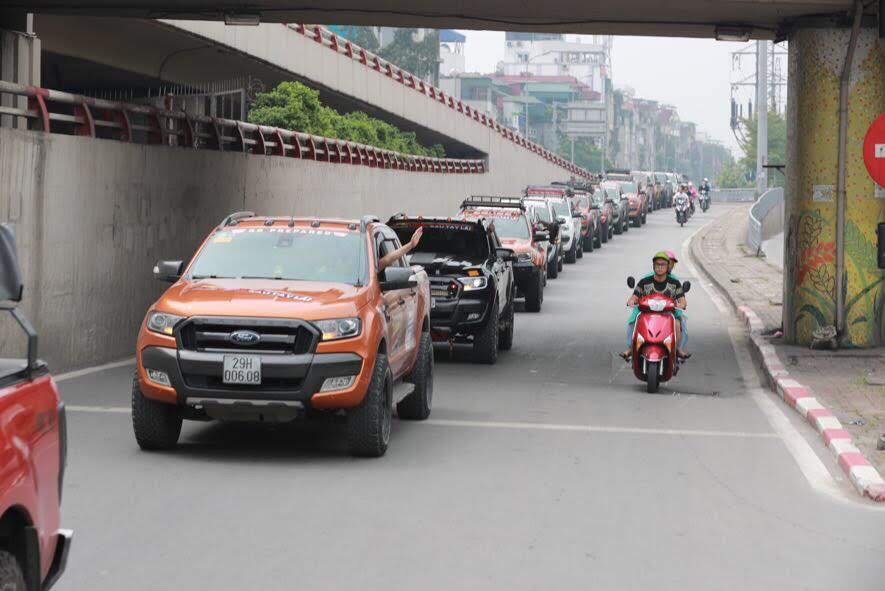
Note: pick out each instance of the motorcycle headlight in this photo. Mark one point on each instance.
(523, 257)
(162, 322)
(338, 328)
(473, 283)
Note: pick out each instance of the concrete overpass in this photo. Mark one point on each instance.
(762, 19)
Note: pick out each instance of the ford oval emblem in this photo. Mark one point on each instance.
(245, 337)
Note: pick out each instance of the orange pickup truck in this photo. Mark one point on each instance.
(280, 318)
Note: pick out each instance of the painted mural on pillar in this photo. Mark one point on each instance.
(815, 65)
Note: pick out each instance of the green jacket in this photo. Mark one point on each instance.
(634, 311)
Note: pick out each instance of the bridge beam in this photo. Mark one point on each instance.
(816, 58)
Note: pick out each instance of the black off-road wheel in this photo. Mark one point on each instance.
(559, 262)
(553, 269)
(572, 255)
(485, 342)
(11, 576)
(619, 227)
(417, 405)
(505, 332)
(157, 425)
(368, 425)
(645, 216)
(590, 241)
(534, 295)
(637, 221)
(601, 235)
(580, 251)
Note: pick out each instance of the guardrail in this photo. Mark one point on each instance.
(61, 112)
(344, 47)
(733, 195)
(766, 218)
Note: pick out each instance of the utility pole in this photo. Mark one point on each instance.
(573, 148)
(761, 116)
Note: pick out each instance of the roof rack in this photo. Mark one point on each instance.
(236, 216)
(493, 201)
(366, 220)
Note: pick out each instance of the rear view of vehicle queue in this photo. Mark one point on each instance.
(661, 281)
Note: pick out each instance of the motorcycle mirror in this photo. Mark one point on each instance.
(631, 283)
(686, 286)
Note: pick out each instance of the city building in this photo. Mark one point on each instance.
(451, 52)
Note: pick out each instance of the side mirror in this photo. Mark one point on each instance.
(10, 273)
(169, 271)
(506, 254)
(541, 236)
(631, 283)
(397, 278)
(686, 286)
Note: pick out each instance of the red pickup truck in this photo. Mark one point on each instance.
(33, 446)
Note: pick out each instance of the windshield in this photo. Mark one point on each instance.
(613, 194)
(296, 254)
(446, 237)
(542, 211)
(629, 187)
(511, 227)
(583, 202)
(599, 197)
(560, 207)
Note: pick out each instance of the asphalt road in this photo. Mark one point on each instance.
(551, 470)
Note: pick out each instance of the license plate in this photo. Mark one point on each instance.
(242, 369)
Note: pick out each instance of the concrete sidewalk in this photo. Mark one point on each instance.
(843, 382)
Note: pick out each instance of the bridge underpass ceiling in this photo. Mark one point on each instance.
(83, 54)
(684, 18)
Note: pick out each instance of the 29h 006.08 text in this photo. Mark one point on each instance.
(242, 369)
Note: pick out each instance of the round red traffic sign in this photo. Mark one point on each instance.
(874, 150)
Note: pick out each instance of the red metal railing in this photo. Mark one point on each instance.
(344, 47)
(61, 112)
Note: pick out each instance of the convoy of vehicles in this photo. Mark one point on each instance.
(542, 211)
(33, 444)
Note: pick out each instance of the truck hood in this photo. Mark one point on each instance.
(517, 245)
(263, 298)
(440, 263)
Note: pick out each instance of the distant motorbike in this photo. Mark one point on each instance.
(704, 195)
(683, 209)
(654, 348)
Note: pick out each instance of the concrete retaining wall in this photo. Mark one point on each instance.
(92, 217)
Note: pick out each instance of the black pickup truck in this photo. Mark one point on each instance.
(471, 281)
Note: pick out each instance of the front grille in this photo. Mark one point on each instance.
(284, 337)
(267, 384)
(443, 288)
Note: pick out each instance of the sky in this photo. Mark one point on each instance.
(694, 75)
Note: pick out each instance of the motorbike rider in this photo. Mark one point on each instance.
(660, 282)
(683, 192)
(705, 185)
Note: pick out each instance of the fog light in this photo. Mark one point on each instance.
(337, 383)
(159, 377)
(473, 316)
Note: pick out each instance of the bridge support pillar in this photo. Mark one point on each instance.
(816, 58)
(19, 59)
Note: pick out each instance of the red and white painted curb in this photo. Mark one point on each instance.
(865, 478)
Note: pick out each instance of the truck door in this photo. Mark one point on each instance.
(401, 309)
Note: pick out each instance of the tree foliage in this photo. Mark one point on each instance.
(587, 154)
(777, 146)
(292, 105)
(421, 58)
(733, 176)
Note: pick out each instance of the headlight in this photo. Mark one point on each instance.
(162, 322)
(523, 257)
(339, 328)
(473, 283)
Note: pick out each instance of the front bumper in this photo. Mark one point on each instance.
(197, 375)
(462, 315)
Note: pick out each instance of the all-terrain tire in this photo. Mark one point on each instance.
(505, 334)
(368, 425)
(590, 242)
(651, 382)
(11, 576)
(485, 342)
(553, 270)
(602, 235)
(572, 255)
(417, 405)
(559, 262)
(645, 217)
(619, 227)
(156, 425)
(579, 253)
(534, 295)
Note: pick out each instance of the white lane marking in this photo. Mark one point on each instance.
(90, 370)
(809, 463)
(524, 425)
(114, 409)
(596, 429)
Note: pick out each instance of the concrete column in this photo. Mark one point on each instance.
(816, 59)
(19, 61)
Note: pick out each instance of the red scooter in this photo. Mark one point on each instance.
(654, 335)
